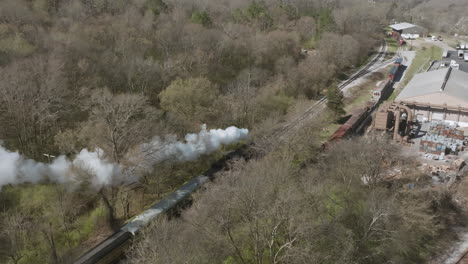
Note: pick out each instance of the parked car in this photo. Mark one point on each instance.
(460, 54)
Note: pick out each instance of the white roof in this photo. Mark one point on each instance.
(402, 26)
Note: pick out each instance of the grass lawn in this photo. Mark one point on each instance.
(392, 47)
(422, 61)
(424, 57)
(362, 93)
(360, 99)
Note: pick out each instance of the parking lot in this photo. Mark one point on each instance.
(445, 62)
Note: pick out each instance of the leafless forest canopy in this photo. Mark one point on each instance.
(277, 210)
(113, 74)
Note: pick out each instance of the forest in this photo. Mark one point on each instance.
(297, 206)
(81, 79)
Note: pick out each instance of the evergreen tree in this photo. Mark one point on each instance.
(335, 101)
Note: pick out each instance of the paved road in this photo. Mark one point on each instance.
(440, 44)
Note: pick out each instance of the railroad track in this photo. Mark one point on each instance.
(313, 110)
(112, 249)
(463, 259)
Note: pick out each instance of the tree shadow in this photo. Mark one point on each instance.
(343, 119)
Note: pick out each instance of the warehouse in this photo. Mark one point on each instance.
(408, 29)
(438, 95)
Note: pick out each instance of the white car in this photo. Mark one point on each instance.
(466, 57)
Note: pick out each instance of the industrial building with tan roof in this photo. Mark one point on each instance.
(438, 95)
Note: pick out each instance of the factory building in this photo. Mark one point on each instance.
(439, 95)
(408, 29)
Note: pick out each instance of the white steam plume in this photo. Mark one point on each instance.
(194, 146)
(15, 169)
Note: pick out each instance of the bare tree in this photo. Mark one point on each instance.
(118, 122)
(16, 229)
(31, 105)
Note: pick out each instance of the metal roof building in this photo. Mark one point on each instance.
(407, 28)
(438, 95)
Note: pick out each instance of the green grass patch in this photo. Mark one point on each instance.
(360, 100)
(40, 202)
(16, 45)
(422, 61)
(362, 93)
(310, 43)
(85, 226)
(392, 47)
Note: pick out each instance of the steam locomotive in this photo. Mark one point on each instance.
(113, 248)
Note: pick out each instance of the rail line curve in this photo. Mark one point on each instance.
(113, 248)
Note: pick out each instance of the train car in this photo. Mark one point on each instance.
(108, 251)
(361, 117)
(398, 62)
(113, 248)
(351, 126)
(392, 72)
(402, 42)
(399, 38)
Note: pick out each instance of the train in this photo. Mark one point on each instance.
(112, 249)
(361, 117)
(395, 68)
(398, 37)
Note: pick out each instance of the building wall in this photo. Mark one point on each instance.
(424, 114)
(415, 30)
